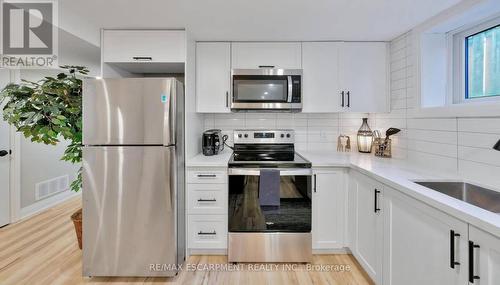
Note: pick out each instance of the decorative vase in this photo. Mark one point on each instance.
(365, 137)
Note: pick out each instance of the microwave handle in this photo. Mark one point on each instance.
(290, 89)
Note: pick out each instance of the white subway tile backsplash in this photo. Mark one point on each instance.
(481, 155)
(480, 140)
(433, 124)
(485, 174)
(433, 161)
(444, 137)
(479, 125)
(441, 149)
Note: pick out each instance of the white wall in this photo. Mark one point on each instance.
(40, 162)
(453, 144)
(314, 132)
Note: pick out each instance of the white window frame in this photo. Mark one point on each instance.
(456, 40)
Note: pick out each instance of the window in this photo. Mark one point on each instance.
(482, 64)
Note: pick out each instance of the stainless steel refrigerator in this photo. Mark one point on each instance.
(133, 177)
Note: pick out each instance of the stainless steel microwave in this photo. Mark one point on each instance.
(267, 89)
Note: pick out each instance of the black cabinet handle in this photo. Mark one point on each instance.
(314, 183)
(3, 152)
(472, 277)
(348, 99)
(207, 200)
(207, 175)
(207, 233)
(227, 99)
(376, 208)
(453, 235)
(266, 66)
(342, 94)
(142, 58)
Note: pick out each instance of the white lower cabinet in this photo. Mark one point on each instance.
(422, 245)
(328, 208)
(366, 223)
(206, 202)
(484, 250)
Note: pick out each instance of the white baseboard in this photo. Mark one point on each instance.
(44, 204)
(207, 252)
(343, 250)
(190, 252)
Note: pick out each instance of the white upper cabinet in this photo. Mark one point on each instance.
(321, 88)
(484, 258)
(364, 76)
(422, 244)
(125, 46)
(213, 77)
(328, 206)
(246, 55)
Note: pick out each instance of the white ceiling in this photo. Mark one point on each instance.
(253, 19)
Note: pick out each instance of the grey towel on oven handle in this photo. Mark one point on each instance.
(269, 188)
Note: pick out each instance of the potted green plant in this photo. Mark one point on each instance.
(48, 111)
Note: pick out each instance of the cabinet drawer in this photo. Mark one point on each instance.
(207, 199)
(143, 45)
(207, 176)
(207, 231)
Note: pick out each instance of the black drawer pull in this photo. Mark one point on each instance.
(472, 277)
(142, 58)
(453, 235)
(207, 175)
(207, 233)
(376, 208)
(266, 66)
(207, 200)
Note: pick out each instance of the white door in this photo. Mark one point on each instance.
(320, 84)
(4, 158)
(420, 244)
(368, 238)
(328, 203)
(364, 76)
(213, 77)
(266, 55)
(485, 257)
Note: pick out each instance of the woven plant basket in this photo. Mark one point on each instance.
(77, 221)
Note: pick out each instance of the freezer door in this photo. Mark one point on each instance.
(131, 111)
(129, 211)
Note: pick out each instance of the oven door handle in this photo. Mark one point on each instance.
(283, 171)
(290, 89)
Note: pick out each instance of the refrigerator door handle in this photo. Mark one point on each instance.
(169, 122)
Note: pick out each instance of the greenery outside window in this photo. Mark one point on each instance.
(482, 64)
(476, 64)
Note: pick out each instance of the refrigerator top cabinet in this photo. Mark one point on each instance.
(146, 106)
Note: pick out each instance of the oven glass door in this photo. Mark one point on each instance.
(246, 214)
(260, 89)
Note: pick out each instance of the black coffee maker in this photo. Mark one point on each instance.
(213, 142)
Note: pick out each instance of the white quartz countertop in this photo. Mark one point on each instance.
(219, 160)
(395, 173)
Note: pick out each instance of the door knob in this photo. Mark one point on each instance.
(3, 152)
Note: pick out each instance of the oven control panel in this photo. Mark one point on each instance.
(264, 136)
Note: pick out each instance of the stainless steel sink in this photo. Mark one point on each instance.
(470, 193)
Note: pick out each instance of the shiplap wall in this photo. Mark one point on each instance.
(452, 144)
(314, 132)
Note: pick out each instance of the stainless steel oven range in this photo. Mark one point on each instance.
(269, 199)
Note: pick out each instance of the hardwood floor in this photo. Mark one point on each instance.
(43, 250)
